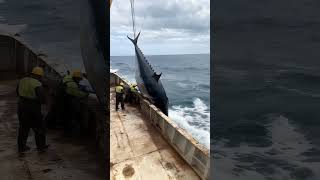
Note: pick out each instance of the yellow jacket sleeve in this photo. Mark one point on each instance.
(73, 90)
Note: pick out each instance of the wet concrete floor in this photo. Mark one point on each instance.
(67, 158)
(139, 152)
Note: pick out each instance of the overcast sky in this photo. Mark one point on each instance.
(167, 26)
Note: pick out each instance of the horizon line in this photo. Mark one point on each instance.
(164, 54)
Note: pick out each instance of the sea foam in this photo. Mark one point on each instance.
(194, 119)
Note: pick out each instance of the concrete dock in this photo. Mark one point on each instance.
(66, 158)
(138, 151)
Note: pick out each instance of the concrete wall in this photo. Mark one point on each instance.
(7, 59)
(19, 59)
(195, 154)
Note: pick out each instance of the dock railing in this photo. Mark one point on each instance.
(17, 57)
(194, 153)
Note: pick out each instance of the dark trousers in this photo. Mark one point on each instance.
(79, 114)
(55, 117)
(67, 114)
(119, 99)
(30, 117)
(76, 114)
(132, 98)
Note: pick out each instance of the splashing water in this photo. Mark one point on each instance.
(194, 120)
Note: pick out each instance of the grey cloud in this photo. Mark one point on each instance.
(181, 14)
(164, 21)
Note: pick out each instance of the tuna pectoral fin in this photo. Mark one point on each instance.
(156, 76)
(134, 41)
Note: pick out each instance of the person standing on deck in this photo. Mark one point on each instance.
(132, 93)
(76, 101)
(56, 116)
(85, 85)
(119, 96)
(31, 95)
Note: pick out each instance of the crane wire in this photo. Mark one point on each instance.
(133, 18)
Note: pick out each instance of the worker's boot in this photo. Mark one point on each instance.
(24, 149)
(43, 149)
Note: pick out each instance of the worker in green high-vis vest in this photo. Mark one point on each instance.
(76, 102)
(31, 96)
(120, 96)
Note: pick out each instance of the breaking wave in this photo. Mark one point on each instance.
(246, 161)
(185, 85)
(194, 119)
(113, 70)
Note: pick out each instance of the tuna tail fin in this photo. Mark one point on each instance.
(156, 76)
(135, 41)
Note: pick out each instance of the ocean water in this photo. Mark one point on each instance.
(266, 90)
(186, 79)
(268, 121)
(49, 27)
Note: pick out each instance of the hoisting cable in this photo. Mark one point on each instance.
(133, 18)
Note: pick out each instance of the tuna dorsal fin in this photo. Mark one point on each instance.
(156, 76)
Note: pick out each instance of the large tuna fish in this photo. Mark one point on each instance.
(148, 81)
(95, 45)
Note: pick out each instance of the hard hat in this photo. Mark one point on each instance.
(37, 71)
(77, 73)
(121, 84)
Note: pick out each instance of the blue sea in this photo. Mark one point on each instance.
(49, 27)
(266, 90)
(186, 80)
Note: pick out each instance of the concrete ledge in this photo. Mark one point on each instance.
(195, 154)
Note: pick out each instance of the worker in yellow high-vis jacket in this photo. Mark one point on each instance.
(31, 96)
(132, 96)
(76, 101)
(119, 96)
